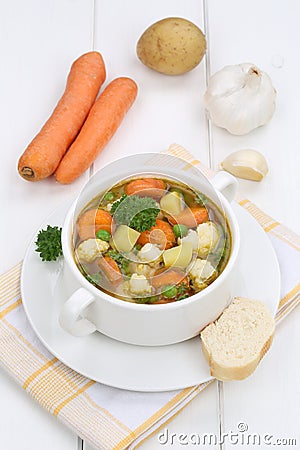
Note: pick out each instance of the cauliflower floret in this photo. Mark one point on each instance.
(200, 272)
(139, 285)
(107, 207)
(90, 249)
(192, 237)
(144, 269)
(149, 252)
(208, 236)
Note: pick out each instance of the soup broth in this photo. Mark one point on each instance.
(151, 240)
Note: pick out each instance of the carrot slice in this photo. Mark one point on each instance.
(160, 234)
(103, 120)
(146, 187)
(110, 269)
(190, 217)
(43, 154)
(91, 221)
(169, 277)
(162, 301)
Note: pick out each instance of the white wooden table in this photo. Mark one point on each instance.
(38, 41)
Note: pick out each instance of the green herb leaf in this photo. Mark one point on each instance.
(94, 278)
(117, 203)
(182, 288)
(152, 299)
(136, 212)
(48, 243)
(149, 300)
(141, 300)
(169, 291)
(122, 262)
(201, 199)
(182, 297)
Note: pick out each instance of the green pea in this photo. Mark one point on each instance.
(169, 291)
(109, 196)
(103, 235)
(180, 230)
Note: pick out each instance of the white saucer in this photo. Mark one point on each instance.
(45, 287)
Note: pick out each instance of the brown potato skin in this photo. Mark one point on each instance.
(171, 46)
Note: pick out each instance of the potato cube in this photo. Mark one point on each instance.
(179, 256)
(172, 203)
(125, 238)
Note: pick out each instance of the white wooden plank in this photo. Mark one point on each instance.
(168, 109)
(26, 425)
(38, 42)
(268, 401)
(262, 33)
(197, 417)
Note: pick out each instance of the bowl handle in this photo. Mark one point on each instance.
(71, 319)
(226, 184)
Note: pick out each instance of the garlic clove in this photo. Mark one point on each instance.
(247, 164)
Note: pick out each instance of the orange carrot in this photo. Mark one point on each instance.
(162, 301)
(160, 234)
(43, 154)
(101, 124)
(146, 187)
(190, 217)
(170, 277)
(110, 269)
(91, 221)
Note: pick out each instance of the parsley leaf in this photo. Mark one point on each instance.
(149, 300)
(136, 212)
(182, 288)
(94, 278)
(122, 262)
(48, 243)
(182, 297)
(201, 199)
(117, 203)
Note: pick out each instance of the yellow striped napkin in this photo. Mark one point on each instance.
(106, 417)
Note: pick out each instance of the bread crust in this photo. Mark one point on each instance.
(233, 372)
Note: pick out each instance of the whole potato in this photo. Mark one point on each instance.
(171, 46)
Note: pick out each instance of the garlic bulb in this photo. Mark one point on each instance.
(240, 98)
(248, 164)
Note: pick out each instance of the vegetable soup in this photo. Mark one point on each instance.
(151, 241)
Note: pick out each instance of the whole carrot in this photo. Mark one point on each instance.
(43, 154)
(101, 124)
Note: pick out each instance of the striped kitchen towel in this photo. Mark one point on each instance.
(106, 417)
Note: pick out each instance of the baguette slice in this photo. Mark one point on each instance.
(236, 342)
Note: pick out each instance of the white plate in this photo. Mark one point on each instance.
(45, 287)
